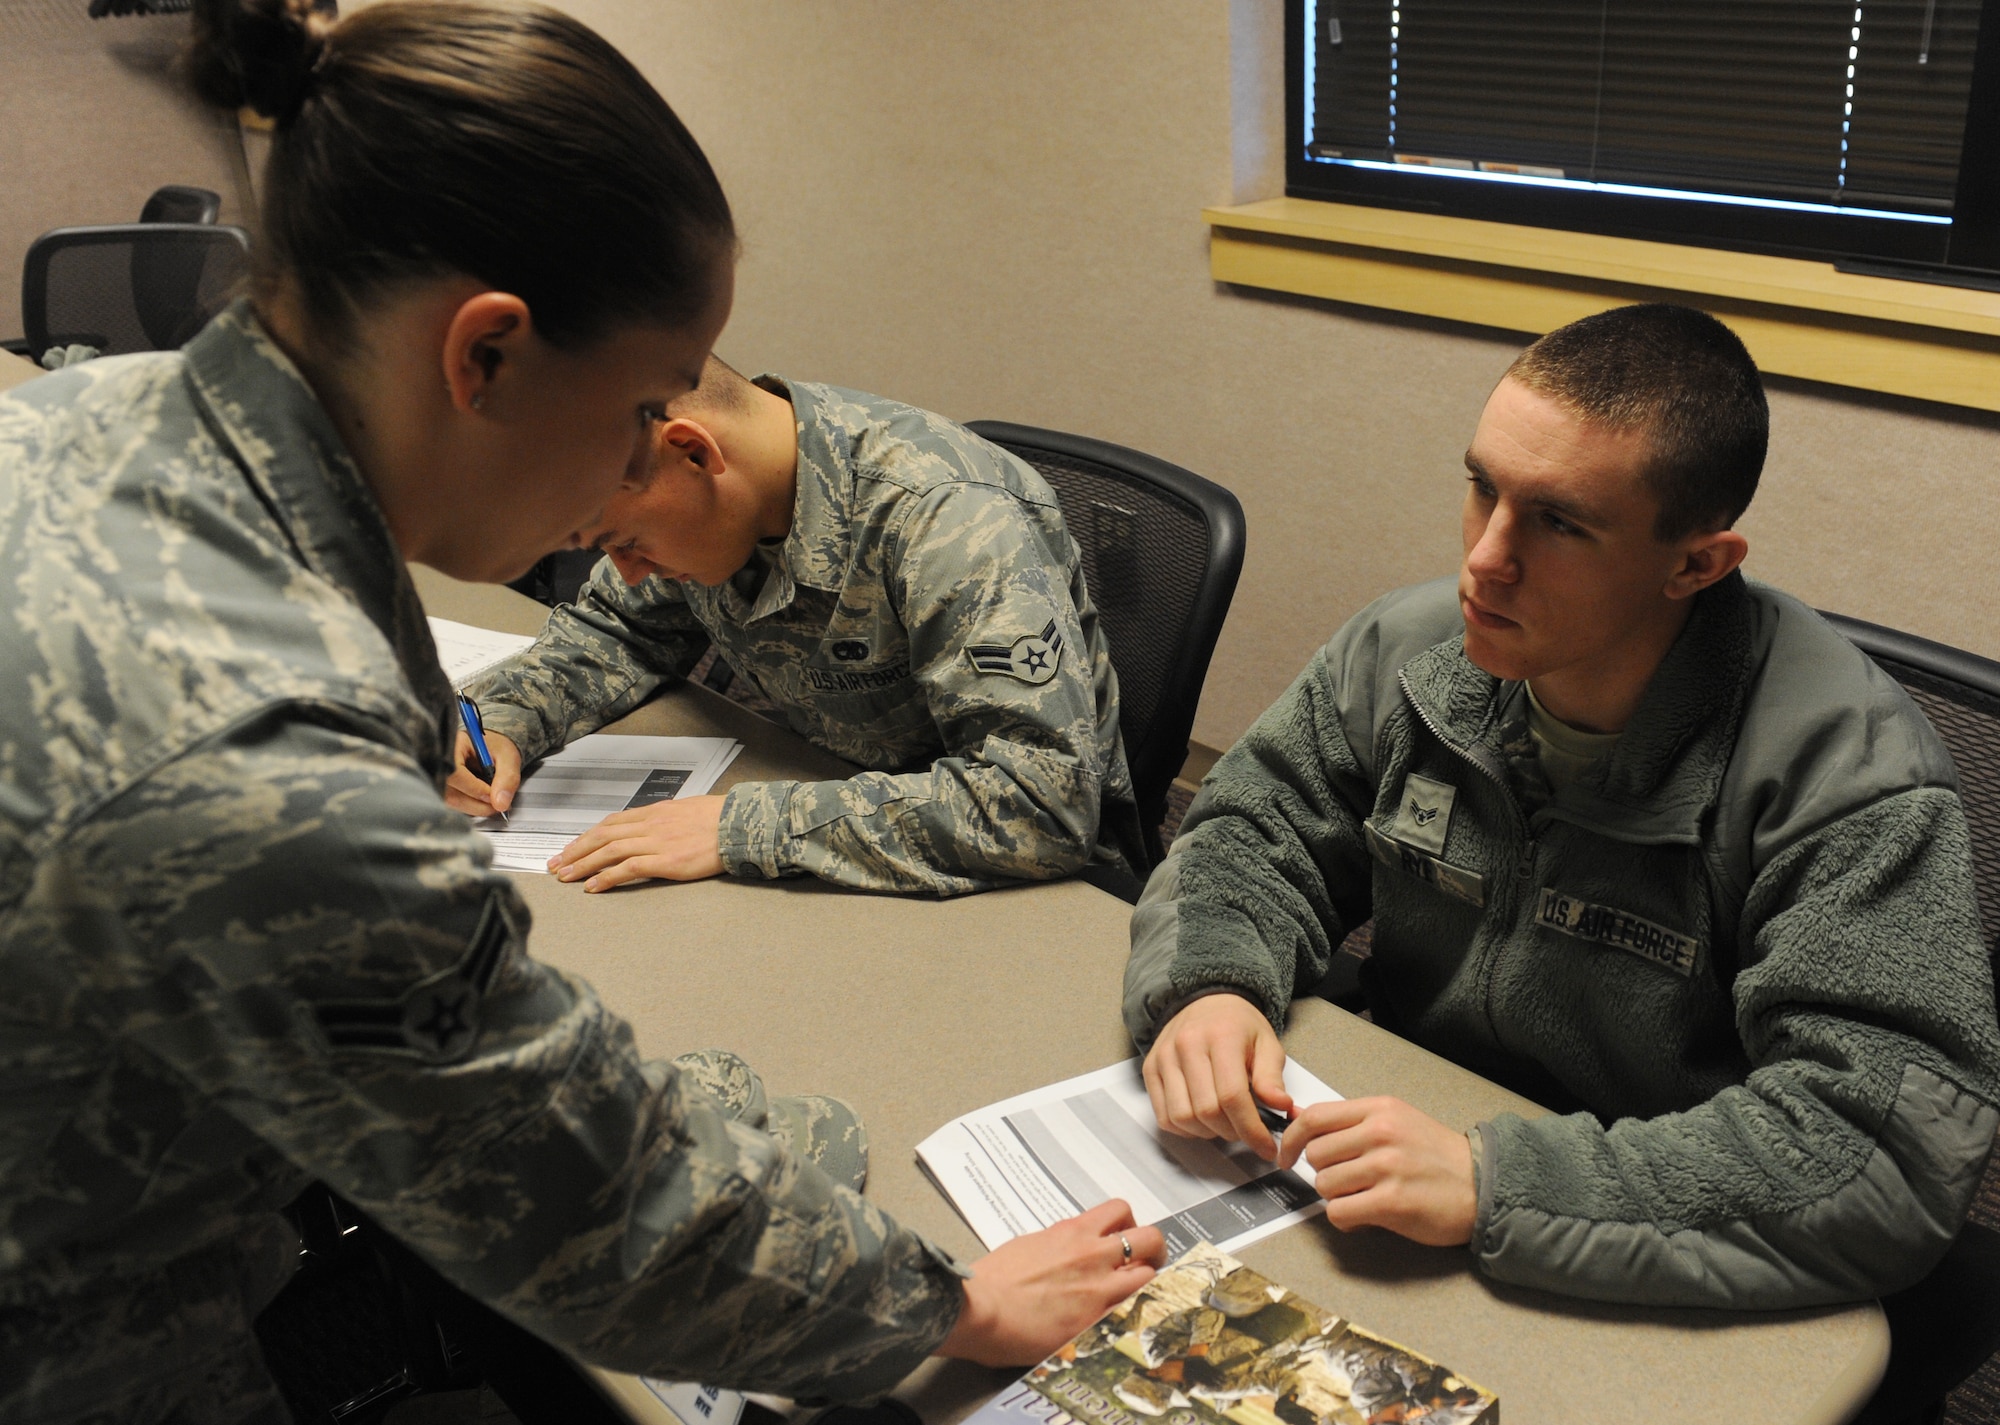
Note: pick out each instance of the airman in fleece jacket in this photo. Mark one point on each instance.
(1744, 944)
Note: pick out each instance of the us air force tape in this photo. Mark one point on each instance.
(436, 1019)
(1605, 925)
(1033, 657)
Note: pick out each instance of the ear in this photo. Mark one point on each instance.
(1706, 559)
(484, 343)
(691, 442)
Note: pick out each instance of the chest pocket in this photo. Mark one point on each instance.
(1649, 903)
(1413, 834)
(854, 681)
(1458, 882)
(1607, 925)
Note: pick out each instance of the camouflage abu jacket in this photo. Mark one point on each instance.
(926, 618)
(244, 944)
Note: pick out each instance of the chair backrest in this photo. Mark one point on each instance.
(1162, 548)
(557, 578)
(179, 203)
(1960, 693)
(130, 286)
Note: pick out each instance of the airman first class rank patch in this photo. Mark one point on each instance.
(436, 1019)
(1423, 817)
(1605, 926)
(1032, 657)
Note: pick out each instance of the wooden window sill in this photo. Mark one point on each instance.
(1798, 318)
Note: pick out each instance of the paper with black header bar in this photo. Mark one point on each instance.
(571, 791)
(1032, 1160)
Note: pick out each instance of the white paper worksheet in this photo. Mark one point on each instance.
(465, 651)
(594, 776)
(1027, 1162)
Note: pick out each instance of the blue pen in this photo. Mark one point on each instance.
(468, 713)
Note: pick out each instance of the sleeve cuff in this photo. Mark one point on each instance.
(751, 836)
(1484, 1174)
(884, 1373)
(513, 722)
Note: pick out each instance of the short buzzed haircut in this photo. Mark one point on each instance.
(722, 388)
(1679, 374)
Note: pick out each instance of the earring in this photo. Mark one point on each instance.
(479, 401)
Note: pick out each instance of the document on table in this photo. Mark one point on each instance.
(697, 1404)
(465, 652)
(1030, 1161)
(593, 777)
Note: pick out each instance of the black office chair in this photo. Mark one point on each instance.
(1947, 1325)
(180, 203)
(129, 286)
(557, 578)
(1162, 549)
(173, 203)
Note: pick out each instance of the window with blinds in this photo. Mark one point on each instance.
(1838, 127)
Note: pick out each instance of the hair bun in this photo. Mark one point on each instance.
(263, 53)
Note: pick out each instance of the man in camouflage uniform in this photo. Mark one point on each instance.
(904, 591)
(243, 944)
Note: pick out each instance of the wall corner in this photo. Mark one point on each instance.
(1256, 99)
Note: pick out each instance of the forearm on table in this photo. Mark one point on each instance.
(1183, 951)
(368, 1009)
(581, 673)
(1842, 1167)
(955, 827)
(725, 1260)
(1266, 876)
(1745, 1202)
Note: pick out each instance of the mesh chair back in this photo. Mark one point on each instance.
(1960, 693)
(179, 203)
(1161, 548)
(557, 578)
(129, 287)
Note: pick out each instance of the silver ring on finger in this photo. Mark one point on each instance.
(1126, 1243)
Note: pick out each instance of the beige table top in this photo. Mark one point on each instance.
(918, 1011)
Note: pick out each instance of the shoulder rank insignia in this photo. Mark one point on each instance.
(436, 1019)
(1423, 817)
(1032, 657)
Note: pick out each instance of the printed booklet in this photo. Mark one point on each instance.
(1208, 1340)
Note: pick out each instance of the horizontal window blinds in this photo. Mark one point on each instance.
(1819, 100)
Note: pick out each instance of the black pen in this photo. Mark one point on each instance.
(468, 713)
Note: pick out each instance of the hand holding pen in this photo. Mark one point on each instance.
(486, 767)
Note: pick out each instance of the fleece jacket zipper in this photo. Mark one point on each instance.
(1524, 863)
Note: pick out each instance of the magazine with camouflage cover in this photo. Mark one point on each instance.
(1209, 1341)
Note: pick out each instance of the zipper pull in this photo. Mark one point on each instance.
(1524, 867)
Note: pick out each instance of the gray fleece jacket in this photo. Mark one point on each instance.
(1744, 945)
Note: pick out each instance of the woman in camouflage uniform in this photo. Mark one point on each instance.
(243, 943)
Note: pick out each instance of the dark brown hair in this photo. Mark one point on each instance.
(508, 142)
(723, 389)
(1682, 376)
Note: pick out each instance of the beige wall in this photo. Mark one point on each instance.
(94, 120)
(991, 207)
